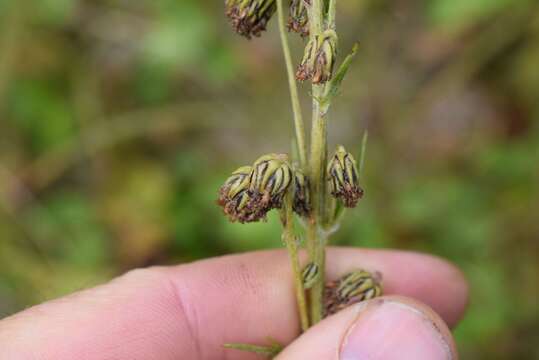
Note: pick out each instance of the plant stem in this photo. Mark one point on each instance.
(296, 108)
(318, 188)
(289, 238)
(317, 165)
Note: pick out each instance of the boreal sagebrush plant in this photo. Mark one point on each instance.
(314, 188)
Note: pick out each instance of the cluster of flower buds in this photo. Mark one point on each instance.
(352, 288)
(319, 58)
(250, 17)
(343, 178)
(252, 191)
(299, 19)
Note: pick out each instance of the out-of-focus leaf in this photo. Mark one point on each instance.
(177, 37)
(40, 111)
(457, 13)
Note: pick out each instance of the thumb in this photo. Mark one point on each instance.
(387, 328)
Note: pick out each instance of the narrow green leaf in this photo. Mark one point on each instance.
(363, 151)
(334, 85)
(267, 351)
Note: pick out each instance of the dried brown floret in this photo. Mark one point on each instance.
(250, 17)
(299, 20)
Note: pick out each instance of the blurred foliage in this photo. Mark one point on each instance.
(119, 120)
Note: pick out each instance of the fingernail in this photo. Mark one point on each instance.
(387, 330)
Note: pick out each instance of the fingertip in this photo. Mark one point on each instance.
(386, 328)
(446, 289)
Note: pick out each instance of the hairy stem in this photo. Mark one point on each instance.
(289, 238)
(296, 108)
(317, 166)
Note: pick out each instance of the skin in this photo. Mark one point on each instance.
(190, 311)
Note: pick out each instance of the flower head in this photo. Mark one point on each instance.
(269, 180)
(352, 288)
(360, 285)
(299, 20)
(319, 58)
(250, 17)
(234, 196)
(251, 192)
(343, 178)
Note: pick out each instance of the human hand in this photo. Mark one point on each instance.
(190, 311)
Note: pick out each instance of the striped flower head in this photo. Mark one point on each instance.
(269, 180)
(359, 285)
(250, 17)
(251, 192)
(354, 287)
(343, 178)
(234, 196)
(319, 58)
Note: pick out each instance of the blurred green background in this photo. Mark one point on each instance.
(120, 119)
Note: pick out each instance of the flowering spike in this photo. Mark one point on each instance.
(343, 178)
(249, 17)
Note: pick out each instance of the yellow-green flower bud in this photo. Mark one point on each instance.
(305, 69)
(250, 17)
(270, 179)
(343, 178)
(325, 57)
(299, 20)
(302, 204)
(319, 58)
(310, 274)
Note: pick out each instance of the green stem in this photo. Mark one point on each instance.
(332, 10)
(296, 108)
(287, 218)
(317, 166)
